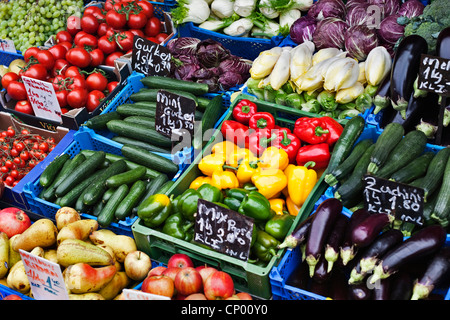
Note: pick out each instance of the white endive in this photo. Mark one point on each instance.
(313, 79)
(222, 8)
(378, 65)
(280, 73)
(263, 64)
(264, 82)
(287, 18)
(324, 54)
(341, 74)
(239, 27)
(349, 94)
(244, 8)
(301, 59)
(362, 72)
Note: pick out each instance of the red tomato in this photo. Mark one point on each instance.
(96, 81)
(152, 39)
(124, 40)
(160, 37)
(73, 71)
(77, 98)
(153, 27)
(89, 23)
(102, 29)
(137, 20)
(137, 32)
(32, 51)
(92, 10)
(109, 61)
(59, 82)
(147, 8)
(107, 45)
(36, 71)
(66, 44)
(63, 36)
(115, 19)
(109, 4)
(75, 82)
(62, 98)
(112, 85)
(24, 106)
(79, 57)
(88, 40)
(8, 77)
(60, 67)
(58, 51)
(95, 97)
(73, 25)
(16, 90)
(97, 56)
(46, 59)
(78, 36)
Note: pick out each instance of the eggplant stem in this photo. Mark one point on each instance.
(312, 262)
(421, 291)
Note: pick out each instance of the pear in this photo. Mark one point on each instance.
(17, 278)
(83, 278)
(66, 215)
(115, 286)
(42, 233)
(14, 255)
(72, 251)
(121, 244)
(80, 229)
(4, 254)
(51, 255)
(86, 296)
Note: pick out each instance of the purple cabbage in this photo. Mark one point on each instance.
(186, 46)
(390, 7)
(330, 33)
(210, 53)
(186, 72)
(236, 64)
(229, 79)
(357, 14)
(359, 41)
(303, 29)
(351, 3)
(323, 9)
(411, 9)
(213, 83)
(390, 30)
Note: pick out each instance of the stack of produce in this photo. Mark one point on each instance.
(362, 257)
(326, 82)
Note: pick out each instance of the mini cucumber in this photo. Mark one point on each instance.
(146, 121)
(48, 193)
(129, 202)
(138, 143)
(108, 193)
(165, 187)
(149, 159)
(99, 122)
(152, 187)
(51, 171)
(151, 95)
(166, 83)
(107, 214)
(126, 177)
(126, 110)
(139, 132)
(209, 119)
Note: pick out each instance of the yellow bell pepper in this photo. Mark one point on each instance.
(293, 209)
(275, 158)
(199, 181)
(270, 182)
(237, 156)
(224, 179)
(277, 205)
(212, 162)
(301, 181)
(245, 171)
(225, 147)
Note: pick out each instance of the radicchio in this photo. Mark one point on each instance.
(390, 30)
(359, 41)
(303, 29)
(330, 33)
(210, 53)
(411, 9)
(323, 9)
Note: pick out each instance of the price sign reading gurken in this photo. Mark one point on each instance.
(150, 58)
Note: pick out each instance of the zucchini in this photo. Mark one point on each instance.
(81, 172)
(150, 95)
(96, 189)
(99, 122)
(149, 159)
(152, 187)
(159, 82)
(352, 130)
(408, 149)
(127, 177)
(48, 193)
(386, 142)
(147, 121)
(51, 171)
(138, 143)
(129, 202)
(107, 214)
(139, 132)
(209, 119)
(413, 170)
(348, 164)
(126, 110)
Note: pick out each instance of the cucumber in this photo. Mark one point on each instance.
(149, 159)
(202, 103)
(386, 142)
(166, 187)
(408, 149)
(129, 202)
(108, 193)
(348, 164)
(413, 170)
(48, 193)
(441, 209)
(352, 130)
(138, 143)
(209, 119)
(146, 94)
(99, 122)
(126, 177)
(159, 82)
(139, 132)
(152, 187)
(96, 189)
(147, 121)
(51, 171)
(126, 110)
(97, 208)
(107, 214)
(81, 172)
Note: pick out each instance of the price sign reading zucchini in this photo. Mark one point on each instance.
(434, 75)
(150, 58)
(174, 114)
(402, 200)
(223, 230)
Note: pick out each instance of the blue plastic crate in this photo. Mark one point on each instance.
(7, 57)
(6, 291)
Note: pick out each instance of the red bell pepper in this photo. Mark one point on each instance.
(335, 129)
(259, 140)
(236, 132)
(319, 154)
(311, 130)
(289, 142)
(244, 110)
(282, 129)
(262, 120)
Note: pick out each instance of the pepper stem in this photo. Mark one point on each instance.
(261, 123)
(225, 166)
(285, 141)
(320, 131)
(309, 163)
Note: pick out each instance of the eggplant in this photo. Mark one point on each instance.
(369, 258)
(359, 292)
(320, 288)
(382, 290)
(437, 271)
(338, 286)
(368, 229)
(334, 241)
(298, 235)
(299, 277)
(405, 69)
(321, 273)
(423, 243)
(443, 44)
(324, 218)
(402, 286)
(347, 250)
(382, 100)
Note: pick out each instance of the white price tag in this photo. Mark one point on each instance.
(132, 294)
(7, 45)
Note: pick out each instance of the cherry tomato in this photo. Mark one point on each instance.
(95, 97)
(115, 19)
(8, 77)
(153, 27)
(147, 8)
(97, 56)
(63, 36)
(61, 95)
(89, 23)
(58, 51)
(96, 81)
(107, 45)
(111, 86)
(79, 57)
(124, 40)
(77, 98)
(43, 146)
(109, 61)
(9, 181)
(24, 106)
(88, 40)
(137, 20)
(10, 132)
(25, 155)
(36, 71)
(73, 25)
(32, 51)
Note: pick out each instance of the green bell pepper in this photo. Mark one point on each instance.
(187, 204)
(256, 206)
(232, 203)
(210, 193)
(265, 246)
(177, 226)
(234, 197)
(155, 210)
(278, 226)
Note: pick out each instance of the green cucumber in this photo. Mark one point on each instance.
(129, 202)
(139, 132)
(147, 121)
(408, 149)
(81, 172)
(386, 142)
(126, 110)
(108, 193)
(166, 187)
(48, 193)
(51, 171)
(138, 143)
(149, 159)
(413, 170)
(107, 214)
(126, 177)
(348, 164)
(151, 95)
(209, 119)
(203, 103)
(166, 83)
(99, 122)
(441, 209)
(98, 207)
(96, 189)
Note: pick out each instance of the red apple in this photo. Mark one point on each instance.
(219, 286)
(206, 272)
(188, 281)
(137, 265)
(171, 272)
(156, 271)
(196, 296)
(13, 221)
(12, 297)
(180, 260)
(244, 296)
(160, 285)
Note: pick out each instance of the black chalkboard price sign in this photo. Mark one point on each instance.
(150, 58)
(223, 230)
(402, 200)
(434, 75)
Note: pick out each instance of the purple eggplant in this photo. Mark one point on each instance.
(371, 255)
(338, 286)
(369, 228)
(299, 277)
(443, 44)
(299, 235)
(321, 273)
(320, 288)
(381, 99)
(359, 292)
(423, 243)
(324, 219)
(382, 290)
(402, 285)
(437, 271)
(334, 241)
(405, 69)
(348, 250)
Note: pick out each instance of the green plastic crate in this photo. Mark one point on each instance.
(247, 277)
